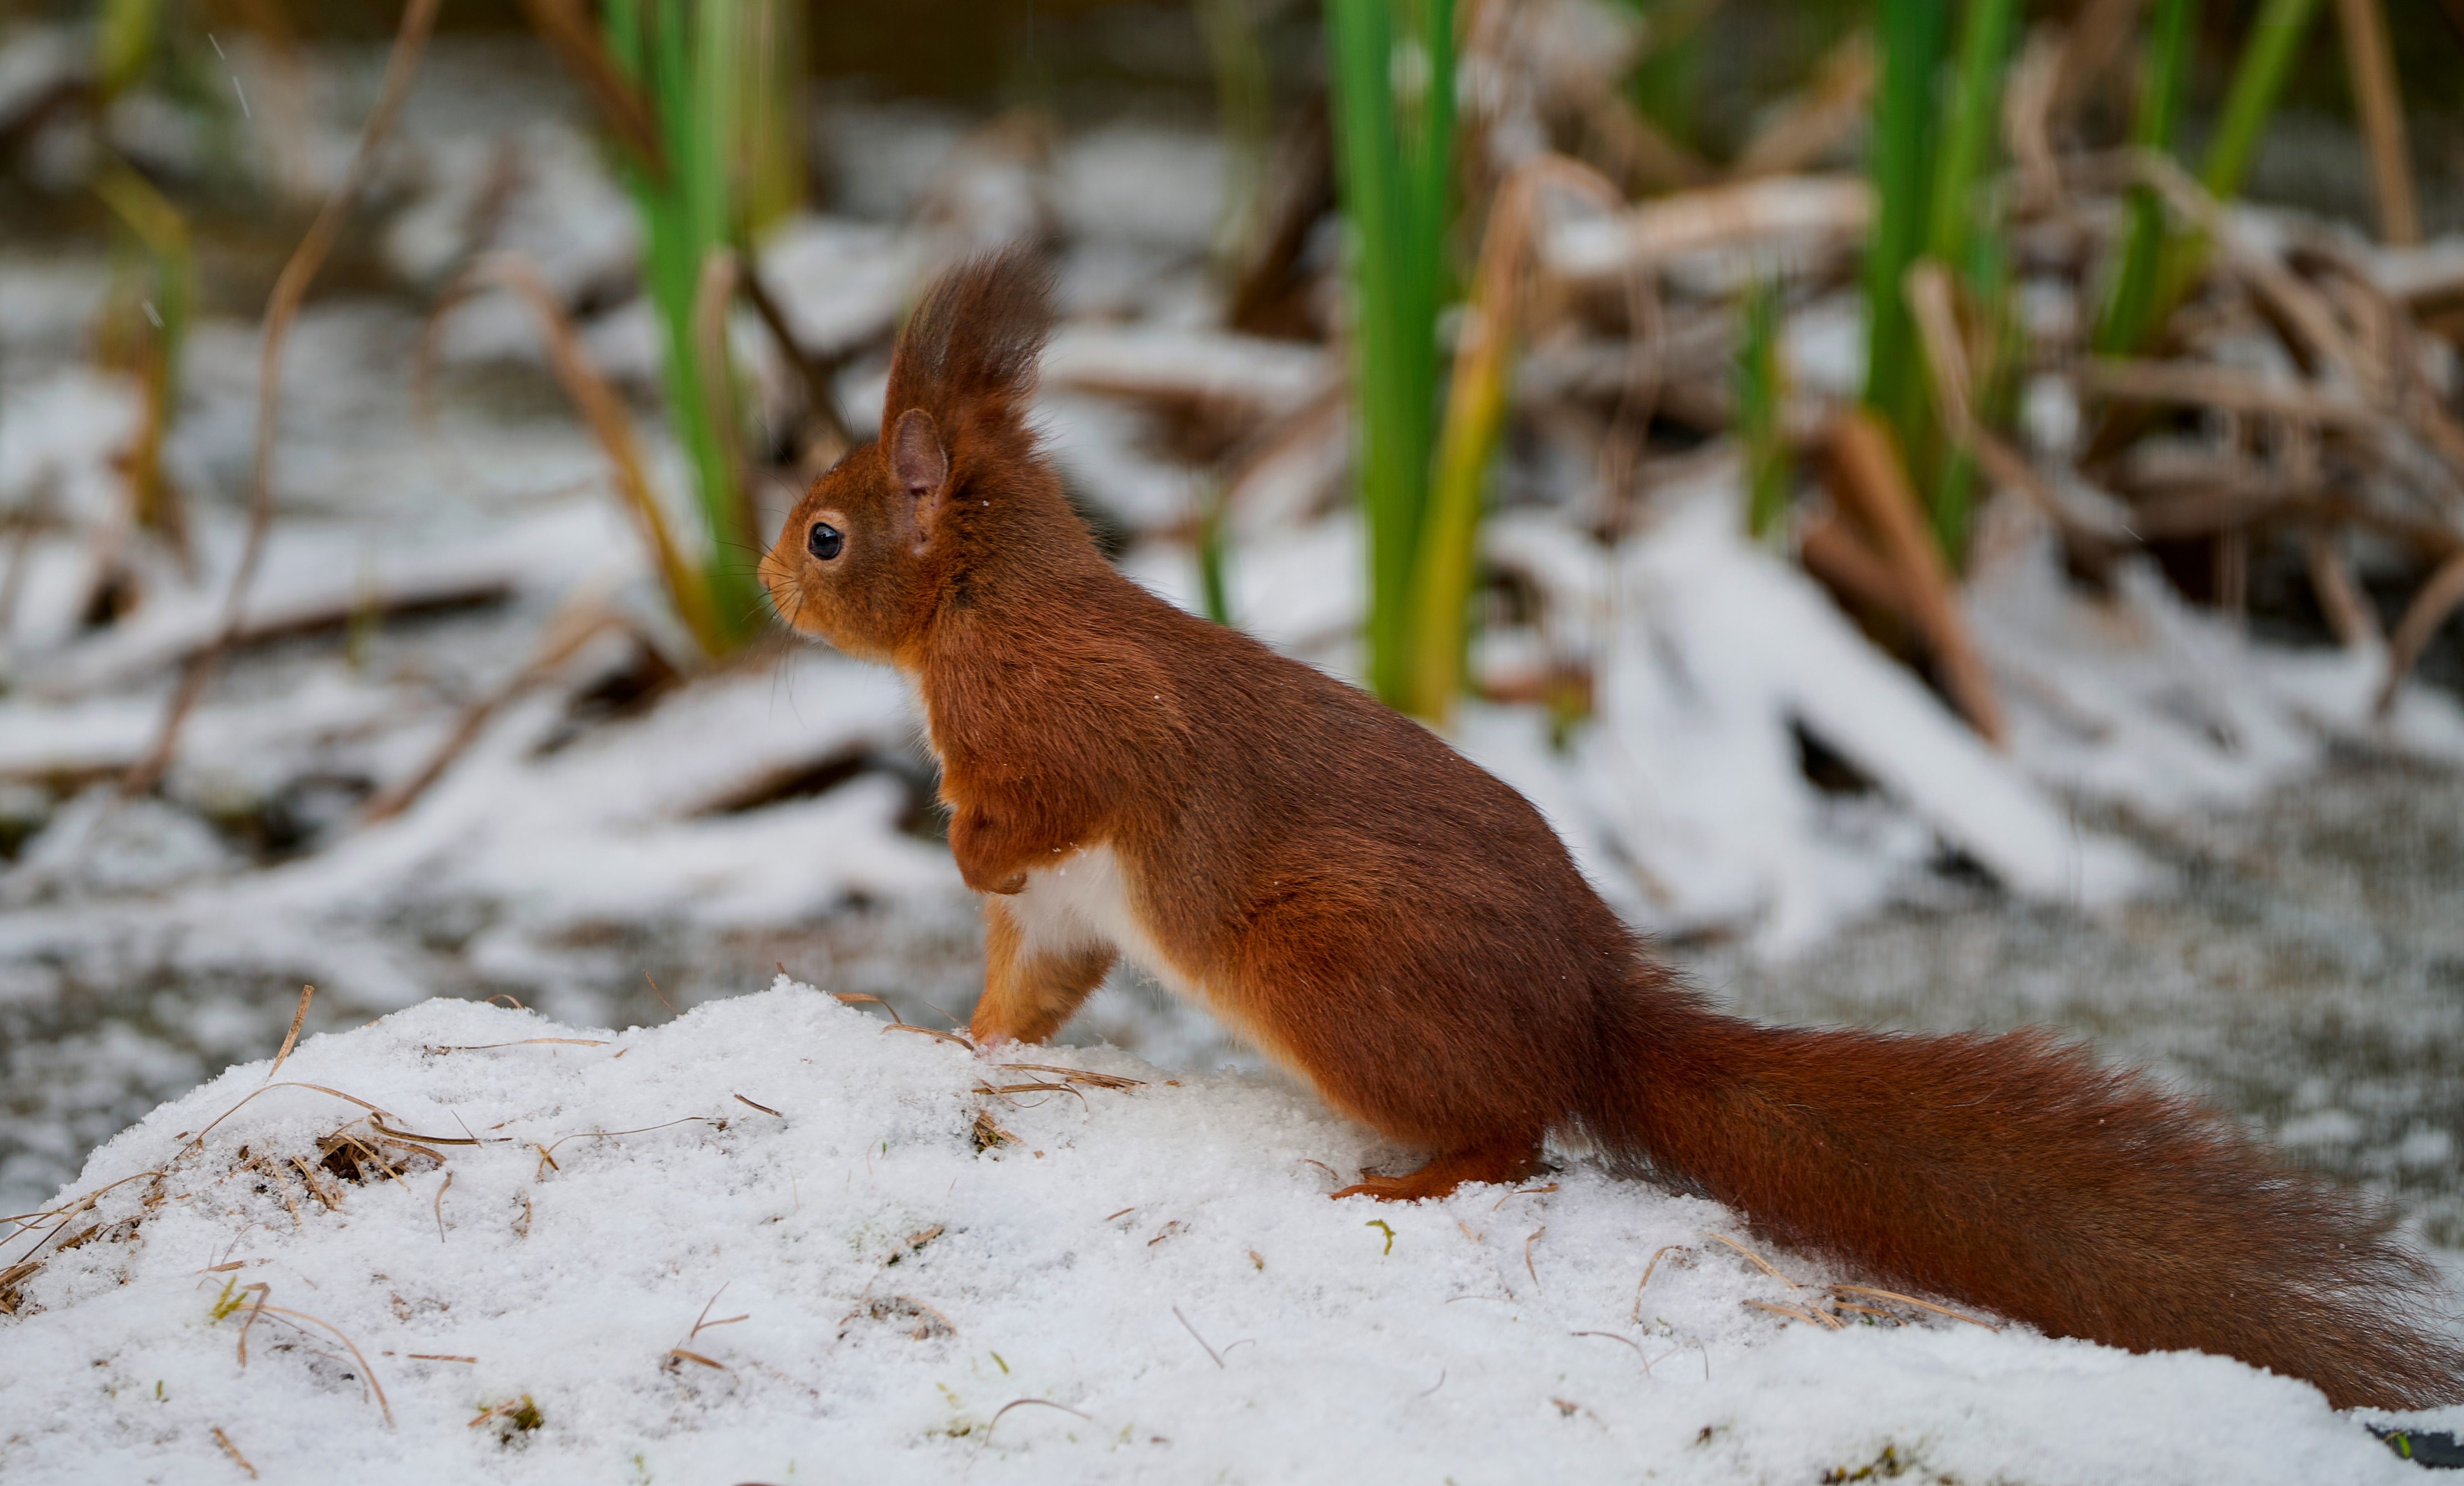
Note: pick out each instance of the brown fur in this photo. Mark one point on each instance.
(1405, 931)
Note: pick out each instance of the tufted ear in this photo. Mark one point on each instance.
(921, 467)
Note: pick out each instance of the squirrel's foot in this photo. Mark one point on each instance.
(1508, 1159)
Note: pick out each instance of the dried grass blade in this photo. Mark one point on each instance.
(2370, 61)
(2437, 599)
(567, 31)
(232, 1450)
(579, 620)
(1755, 1259)
(1214, 1355)
(1818, 117)
(282, 307)
(1018, 1401)
(2339, 592)
(1868, 474)
(199, 1138)
(290, 1039)
(526, 1042)
(1776, 1309)
(1909, 1299)
(931, 1032)
(859, 998)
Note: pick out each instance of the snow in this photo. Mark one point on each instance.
(1156, 1269)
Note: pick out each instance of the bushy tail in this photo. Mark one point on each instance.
(970, 349)
(2016, 1174)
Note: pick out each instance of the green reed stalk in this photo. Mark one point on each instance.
(2258, 80)
(2130, 306)
(1393, 69)
(1770, 474)
(686, 60)
(1953, 238)
(2257, 83)
(1912, 39)
(1976, 118)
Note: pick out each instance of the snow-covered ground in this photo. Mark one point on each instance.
(779, 1239)
(2126, 869)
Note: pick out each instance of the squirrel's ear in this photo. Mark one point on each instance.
(921, 467)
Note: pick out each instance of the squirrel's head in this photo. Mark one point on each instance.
(904, 526)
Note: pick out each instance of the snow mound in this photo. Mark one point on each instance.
(779, 1240)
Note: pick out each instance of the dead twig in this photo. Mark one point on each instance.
(1868, 475)
(2429, 607)
(570, 33)
(2370, 61)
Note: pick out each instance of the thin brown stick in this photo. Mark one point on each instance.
(2223, 388)
(1928, 290)
(605, 413)
(1214, 1356)
(292, 1319)
(1777, 1309)
(1831, 551)
(821, 392)
(2027, 115)
(418, 19)
(931, 1032)
(1526, 1255)
(569, 33)
(1818, 117)
(2370, 61)
(1018, 1402)
(2094, 38)
(2302, 307)
(713, 290)
(199, 1138)
(1756, 1260)
(2340, 594)
(2437, 599)
(1909, 1299)
(859, 998)
(290, 1039)
(1646, 1279)
(1869, 476)
(574, 624)
(232, 1450)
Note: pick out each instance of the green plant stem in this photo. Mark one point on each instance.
(2259, 78)
(1392, 154)
(1975, 114)
(2130, 307)
(1912, 42)
(685, 59)
(1760, 398)
(1214, 583)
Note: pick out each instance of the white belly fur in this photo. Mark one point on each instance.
(1085, 900)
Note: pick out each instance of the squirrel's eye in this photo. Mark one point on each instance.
(824, 540)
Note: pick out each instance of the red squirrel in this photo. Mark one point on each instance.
(1404, 931)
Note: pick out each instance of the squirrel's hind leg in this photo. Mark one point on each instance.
(1507, 1159)
(1029, 988)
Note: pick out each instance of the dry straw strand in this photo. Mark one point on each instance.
(290, 1039)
